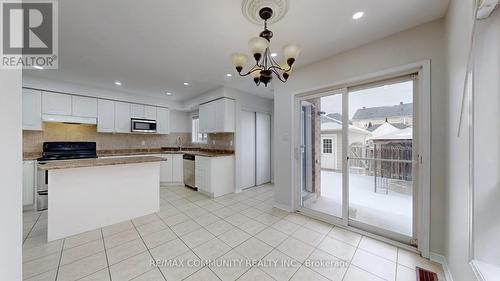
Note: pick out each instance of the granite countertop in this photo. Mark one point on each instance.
(94, 162)
(166, 150)
(206, 152)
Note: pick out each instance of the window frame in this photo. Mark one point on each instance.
(196, 136)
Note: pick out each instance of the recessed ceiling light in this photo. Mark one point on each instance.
(37, 67)
(169, 93)
(118, 83)
(229, 75)
(358, 15)
(186, 83)
(274, 55)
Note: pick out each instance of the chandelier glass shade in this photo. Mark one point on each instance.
(265, 65)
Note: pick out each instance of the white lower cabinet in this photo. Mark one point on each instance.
(172, 171)
(214, 176)
(29, 183)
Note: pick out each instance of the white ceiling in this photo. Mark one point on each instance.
(154, 46)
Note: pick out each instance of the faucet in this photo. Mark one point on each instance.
(179, 143)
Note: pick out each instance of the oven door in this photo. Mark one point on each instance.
(42, 190)
(143, 126)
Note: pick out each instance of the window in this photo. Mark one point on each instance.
(327, 145)
(196, 136)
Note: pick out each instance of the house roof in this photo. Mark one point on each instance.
(332, 117)
(332, 124)
(403, 109)
(404, 134)
(397, 125)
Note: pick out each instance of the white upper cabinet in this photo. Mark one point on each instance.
(56, 104)
(84, 106)
(162, 120)
(105, 116)
(137, 111)
(122, 117)
(203, 116)
(224, 115)
(217, 116)
(32, 110)
(211, 125)
(150, 112)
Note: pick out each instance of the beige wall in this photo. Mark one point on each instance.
(424, 42)
(33, 140)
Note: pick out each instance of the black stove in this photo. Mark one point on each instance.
(68, 150)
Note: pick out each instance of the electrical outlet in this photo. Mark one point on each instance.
(143, 142)
(231, 143)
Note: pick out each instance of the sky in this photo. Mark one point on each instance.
(381, 96)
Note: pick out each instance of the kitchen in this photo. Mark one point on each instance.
(191, 131)
(126, 133)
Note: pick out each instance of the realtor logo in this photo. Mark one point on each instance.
(29, 34)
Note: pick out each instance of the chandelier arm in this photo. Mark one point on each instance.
(278, 75)
(253, 69)
(280, 68)
(275, 63)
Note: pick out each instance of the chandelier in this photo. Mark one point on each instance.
(265, 65)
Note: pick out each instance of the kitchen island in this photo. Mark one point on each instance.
(91, 193)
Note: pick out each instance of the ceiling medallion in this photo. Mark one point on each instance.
(265, 64)
(251, 9)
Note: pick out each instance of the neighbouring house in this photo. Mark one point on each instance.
(373, 116)
(331, 140)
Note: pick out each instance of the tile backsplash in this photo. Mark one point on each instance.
(33, 140)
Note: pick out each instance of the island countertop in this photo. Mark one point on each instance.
(94, 162)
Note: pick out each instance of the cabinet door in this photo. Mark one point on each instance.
(262, 148)
(166, 168)
(211, 126)
(57, 104)
(229, 115)
(178, 168)
(199, 178)
(32, 110)
(137, 111)
(122, 117)
(162, 120)
(150, 112)
(28, 183)
(219, 115)
(84, 106)
(203, 115)
(105, 116)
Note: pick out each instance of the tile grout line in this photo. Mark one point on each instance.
(234, 226)
(33, 226)
(397, 263)
(106, 255)
(191, 249)
(251, 236)
(60, 259)
(147, 249)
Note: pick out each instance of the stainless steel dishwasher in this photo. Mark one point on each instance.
(188, 165)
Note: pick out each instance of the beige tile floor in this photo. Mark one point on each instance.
(191, 229)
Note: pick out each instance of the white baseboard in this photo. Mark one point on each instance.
(171, 183)
(282, 207)
(442, 260)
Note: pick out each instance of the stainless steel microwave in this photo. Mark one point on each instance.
(143, 125)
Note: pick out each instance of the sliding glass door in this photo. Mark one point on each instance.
(321, 154)
(357, 150)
